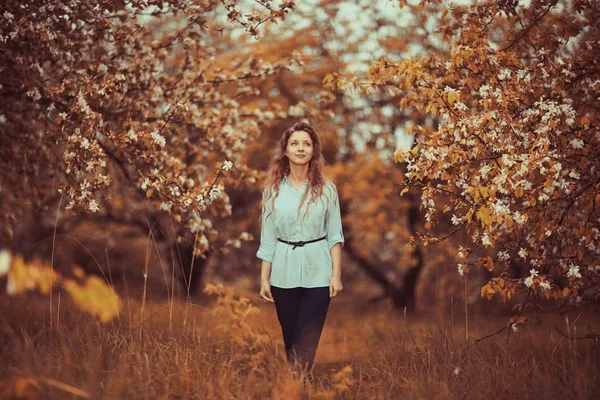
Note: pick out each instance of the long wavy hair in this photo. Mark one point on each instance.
(280, 167)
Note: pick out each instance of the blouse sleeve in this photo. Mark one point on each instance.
(268, 238)
(334, 219)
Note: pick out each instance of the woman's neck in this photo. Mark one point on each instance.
(298, 173)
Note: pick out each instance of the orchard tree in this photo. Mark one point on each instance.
(510, 150)
(126, 112)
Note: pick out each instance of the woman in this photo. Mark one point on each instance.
(301, 242)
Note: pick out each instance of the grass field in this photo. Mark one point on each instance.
(201, 351)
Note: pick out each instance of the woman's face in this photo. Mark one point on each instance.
(299, 148)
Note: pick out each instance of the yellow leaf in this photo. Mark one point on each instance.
(328, 79)
(399, 155)
(484, 192)
(403, 191)
(451, 98)
(485, 215)
(584, 121)
(149, 193)
(532, 201)
(566, 292)
(484, 289)
(470, 216)
(415, 150)
(519, 192)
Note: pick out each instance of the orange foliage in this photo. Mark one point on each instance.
(507, 138)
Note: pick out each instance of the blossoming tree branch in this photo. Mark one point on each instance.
(120, 110)
(508, 145)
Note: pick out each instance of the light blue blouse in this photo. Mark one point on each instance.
(310, 265)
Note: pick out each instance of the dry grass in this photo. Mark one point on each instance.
(226, 351)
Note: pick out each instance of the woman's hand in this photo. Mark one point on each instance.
(335, 286)
(265, 292)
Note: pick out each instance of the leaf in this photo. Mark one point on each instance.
(451, 98)
(485, 215)
(415, 150)
(490, 266)
(403, 191)
(399, 155)
(519, 192)
(484, 192)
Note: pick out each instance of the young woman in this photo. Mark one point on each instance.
(301, 242)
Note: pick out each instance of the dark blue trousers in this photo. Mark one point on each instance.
(301, 313)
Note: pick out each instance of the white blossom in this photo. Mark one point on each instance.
(214, 193)
(158, 139)
(574, 272)
(523, 253)
(504, 74)
(145, 183)
(576, 144)
(93, 206)
(545, 285)
(519, 218)
(503, 255)
(484, 171)
(132, 135)
(460, 106)
(484, 90)
(296, 110)
(227, 165)
(461, 252)
(485, 239)
(245, 236)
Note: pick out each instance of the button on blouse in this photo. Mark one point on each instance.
(310, 265)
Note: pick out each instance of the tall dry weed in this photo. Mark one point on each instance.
(227, 349)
